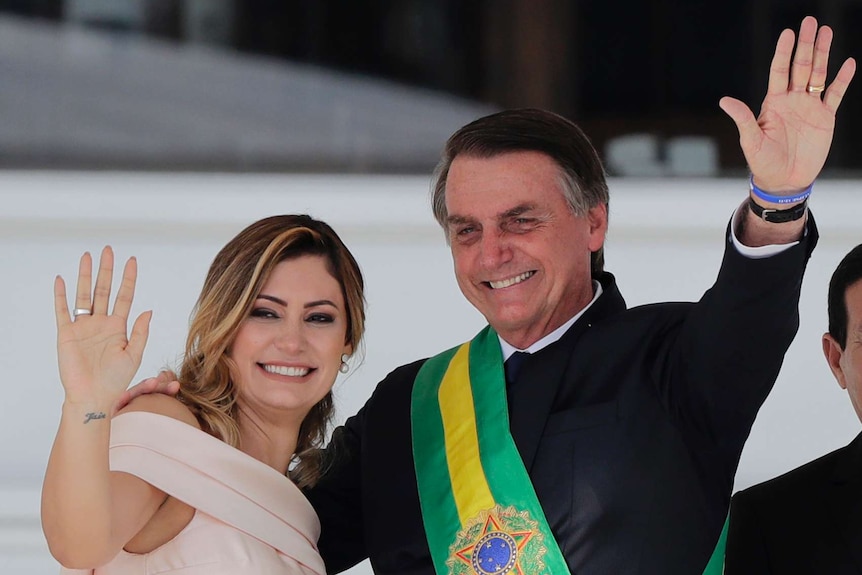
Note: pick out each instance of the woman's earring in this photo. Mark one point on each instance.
(344, 368)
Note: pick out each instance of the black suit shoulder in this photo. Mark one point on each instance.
(788, 486)
(802, 521)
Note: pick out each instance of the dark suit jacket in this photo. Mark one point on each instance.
(806, 521)
(631, 427)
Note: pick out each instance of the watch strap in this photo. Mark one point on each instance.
(778, 216)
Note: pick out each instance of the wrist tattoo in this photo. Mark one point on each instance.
(93, 415)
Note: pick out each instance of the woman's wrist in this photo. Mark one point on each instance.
(88, 408)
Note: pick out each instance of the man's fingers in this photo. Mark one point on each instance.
(779, 70)
(800, 70)
(743, 117)
(821, 58)
(835, 92)
(165, 383)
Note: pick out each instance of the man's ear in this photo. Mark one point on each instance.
(833, 353)
(597, 216)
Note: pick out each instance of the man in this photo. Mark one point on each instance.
(810, 519)
(613, 448)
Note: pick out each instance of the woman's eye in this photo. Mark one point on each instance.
(263, 312)
(320, 318)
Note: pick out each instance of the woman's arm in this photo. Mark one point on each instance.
(88, 513)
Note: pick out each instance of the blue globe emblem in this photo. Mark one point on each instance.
(495, 554)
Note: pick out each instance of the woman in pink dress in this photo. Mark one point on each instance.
(199, 483)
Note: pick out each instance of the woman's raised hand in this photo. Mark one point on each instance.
(97, 358)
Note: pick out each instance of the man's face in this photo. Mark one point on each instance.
(846, 364)
(522, 257)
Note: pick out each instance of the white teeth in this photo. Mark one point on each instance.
(511, 281)
(288, 371)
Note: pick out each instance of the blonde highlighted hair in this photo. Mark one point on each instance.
(233, 282)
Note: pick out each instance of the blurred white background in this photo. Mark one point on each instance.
(665, 244)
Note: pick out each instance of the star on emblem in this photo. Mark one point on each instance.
(496, 551)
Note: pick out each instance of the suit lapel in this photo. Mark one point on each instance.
(536, 386)
(844, 500)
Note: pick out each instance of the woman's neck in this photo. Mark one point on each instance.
(270, 442)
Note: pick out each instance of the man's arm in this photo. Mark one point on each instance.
(787, 144)
(337, 499)
(746, 550)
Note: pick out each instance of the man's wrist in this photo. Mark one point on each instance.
(778, 199)
(778, 215)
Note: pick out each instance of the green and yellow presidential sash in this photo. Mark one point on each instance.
(479, 508)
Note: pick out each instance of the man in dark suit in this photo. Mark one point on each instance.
(628, 423)
(810, 519)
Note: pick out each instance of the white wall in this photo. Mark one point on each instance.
(665, 244)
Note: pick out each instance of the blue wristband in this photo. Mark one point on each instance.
(767, 197)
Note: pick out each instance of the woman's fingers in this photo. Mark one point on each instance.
(61, 307)
(138, 339)
(97, 304)
(126, 293)
(85, 273)
(102, 293)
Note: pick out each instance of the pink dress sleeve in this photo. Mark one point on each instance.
(258, 512)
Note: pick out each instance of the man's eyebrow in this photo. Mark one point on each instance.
(517, 211)
(458, 220)
(512, 212)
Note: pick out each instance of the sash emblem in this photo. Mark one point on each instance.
(498, 541)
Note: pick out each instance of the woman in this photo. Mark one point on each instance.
(198, 483)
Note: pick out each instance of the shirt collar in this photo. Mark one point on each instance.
(509, 349)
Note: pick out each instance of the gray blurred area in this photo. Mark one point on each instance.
(80, 98)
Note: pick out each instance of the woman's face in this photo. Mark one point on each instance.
(288, 351)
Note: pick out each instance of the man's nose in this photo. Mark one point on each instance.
(496, 249)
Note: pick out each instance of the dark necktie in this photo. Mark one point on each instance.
(513, 366)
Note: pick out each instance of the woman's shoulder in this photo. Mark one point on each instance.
(161, 404)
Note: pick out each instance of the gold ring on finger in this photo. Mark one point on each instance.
(815, 89)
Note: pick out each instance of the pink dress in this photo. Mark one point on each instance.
(249, 518)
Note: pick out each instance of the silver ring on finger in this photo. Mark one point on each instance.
(81, 311)
(815, 89)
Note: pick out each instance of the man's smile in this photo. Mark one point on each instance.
(504, 283)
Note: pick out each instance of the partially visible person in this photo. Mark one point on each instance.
(809, 520)
(198, 484)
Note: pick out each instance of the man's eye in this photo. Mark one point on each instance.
(466, 230)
